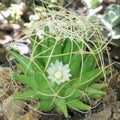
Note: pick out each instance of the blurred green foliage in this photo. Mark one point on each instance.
(112, 14)
(92, 3)
(112, 17)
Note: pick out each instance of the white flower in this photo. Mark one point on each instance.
(58, 73)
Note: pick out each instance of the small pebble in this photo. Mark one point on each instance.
(116, 116)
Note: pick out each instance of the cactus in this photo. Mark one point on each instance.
(61, 72)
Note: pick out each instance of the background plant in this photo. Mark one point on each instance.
(111, 19)
(77, 43)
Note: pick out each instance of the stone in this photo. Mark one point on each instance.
(103, 115)
(116, 108)
(12, 109)
(32, 115)
(116, 116)
(6, 84)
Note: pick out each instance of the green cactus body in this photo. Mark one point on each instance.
(62, 73)
(67, 50)
(76, 59)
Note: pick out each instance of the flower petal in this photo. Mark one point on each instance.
(58, 73)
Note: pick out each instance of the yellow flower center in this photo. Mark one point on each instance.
(58, 75)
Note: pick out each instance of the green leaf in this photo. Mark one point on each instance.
(94, 93)
(37, 81)
(73, 93)
(27, 94)
(78, 105)
(45, 105)
(91, 77)
(67, 50)
(25, 79)
(88, 78)
(61, 105)
(99, 85)
(24, 62)
(42, 83)
(36, 49)
(48, 49)
(21, 68)
(76, 59)
(89, 63)
(46, 30)
(75, 64)
(57, 51)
